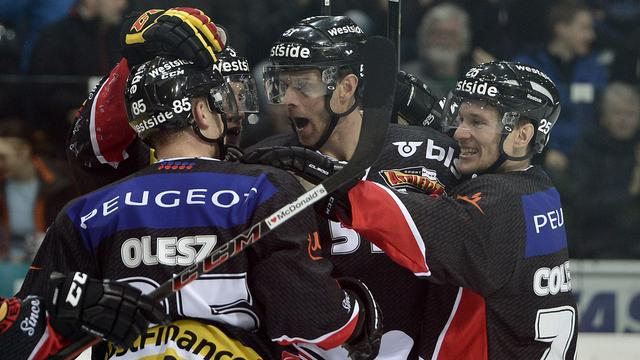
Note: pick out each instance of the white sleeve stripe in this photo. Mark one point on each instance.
(38, 346)
(92, 132)
(285, 338)
(436, 351)
(92, 126)
(412, 226)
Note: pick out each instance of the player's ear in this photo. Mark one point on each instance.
(347, 86)
(209, 122)
(524, 133)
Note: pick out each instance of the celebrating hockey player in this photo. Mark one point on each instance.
(315, 72)
(495, 246)
(146, 227)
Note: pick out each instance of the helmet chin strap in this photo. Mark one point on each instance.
(504, 156)
(217, 141)
(333, 121)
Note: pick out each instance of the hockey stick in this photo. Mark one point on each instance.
(394, 22)
(325, 9)
(378, 98)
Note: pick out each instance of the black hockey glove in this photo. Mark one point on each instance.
(309, 165)
(114, 311)
(305, 163)
(414, 102)
(182, 32)
(365, 341)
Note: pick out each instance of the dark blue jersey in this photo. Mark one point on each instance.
(151, 225)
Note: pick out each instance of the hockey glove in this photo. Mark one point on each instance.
(414, 103)
(182, 32)
(365, 341)
(114, 311)
(305, 163)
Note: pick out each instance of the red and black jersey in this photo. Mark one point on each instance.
(414, 159)
(495, 250)
(149, 226)
(25, 332)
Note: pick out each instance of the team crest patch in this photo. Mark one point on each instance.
(9, 311)
(416, 178)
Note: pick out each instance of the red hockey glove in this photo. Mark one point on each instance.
(365, 341)
(182, 32)
(115, 311)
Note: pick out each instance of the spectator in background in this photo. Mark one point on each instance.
(568, 61)
(28, 17)
(32, 191)
(83, 44)
(444, 46)
(605, 173)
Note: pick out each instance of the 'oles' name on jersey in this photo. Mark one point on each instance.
(290, 51)
(170, 250)
(475, 87)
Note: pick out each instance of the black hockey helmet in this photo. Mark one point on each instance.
(516, 90)
(237, 73)
(326, 43)
(330, 44)
(159, 92)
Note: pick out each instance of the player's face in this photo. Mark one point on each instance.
(304, 98)
(234, 123)
(478, 135)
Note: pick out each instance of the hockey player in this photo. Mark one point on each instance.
(146, 227)
(39, 326)
(415, 159)
(495, 246)
(315, 71)
(102, 147)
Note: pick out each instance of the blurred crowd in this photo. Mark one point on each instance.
(53, 51)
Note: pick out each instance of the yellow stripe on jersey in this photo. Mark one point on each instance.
(183, 340)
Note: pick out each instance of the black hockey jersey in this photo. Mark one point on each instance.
(496, 252)
(149, 226)
(414, 159)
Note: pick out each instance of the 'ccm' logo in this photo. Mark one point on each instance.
(73, 297)
(406, 149)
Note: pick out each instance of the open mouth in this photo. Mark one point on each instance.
(300, 122)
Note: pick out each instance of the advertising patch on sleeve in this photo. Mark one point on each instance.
(544, 221)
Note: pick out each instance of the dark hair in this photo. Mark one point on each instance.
(563, 12)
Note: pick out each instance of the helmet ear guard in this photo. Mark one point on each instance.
(159, 96)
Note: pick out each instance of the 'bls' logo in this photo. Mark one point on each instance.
(407, 148)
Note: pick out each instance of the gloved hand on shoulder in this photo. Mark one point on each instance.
(311, 166)
(181, 32)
